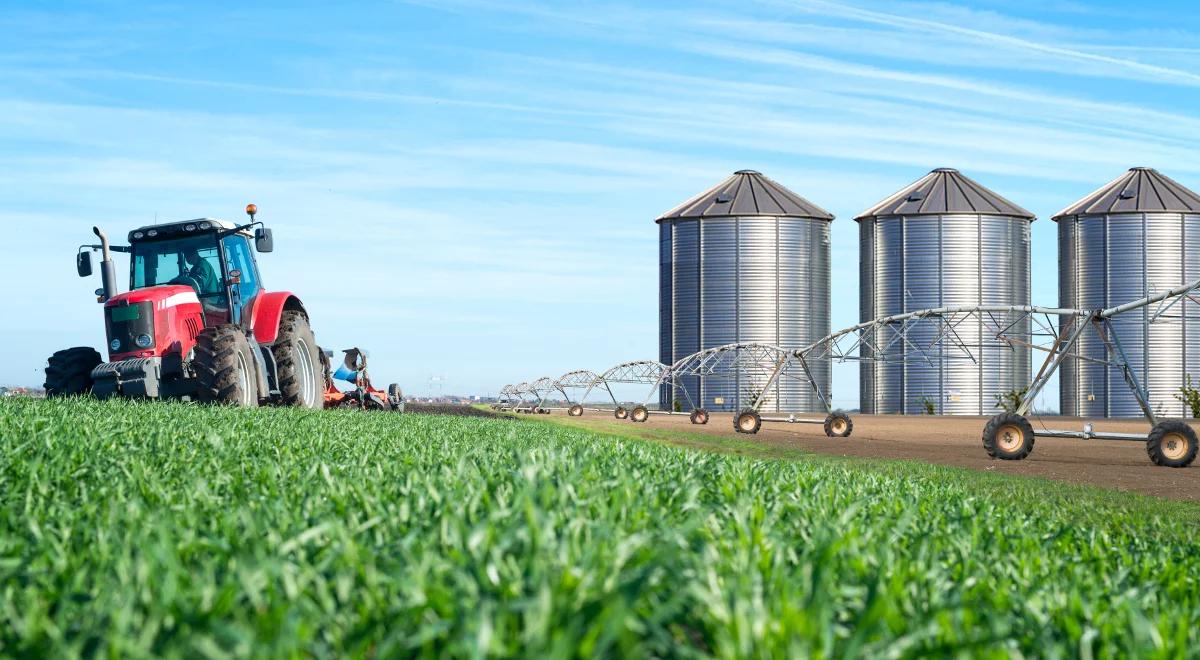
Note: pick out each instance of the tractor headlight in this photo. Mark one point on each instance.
(190, 228)
(205, 225)
(152, 233)
(137, 235)
(144, 341)
(115, 344)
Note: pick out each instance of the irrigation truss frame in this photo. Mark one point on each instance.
(637, 372)
(505, 399)
(536, 391)
(580, 379)
(928, 336)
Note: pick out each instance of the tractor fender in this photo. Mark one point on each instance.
(268, 310)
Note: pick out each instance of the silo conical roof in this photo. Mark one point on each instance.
(746, 193)
(1140, 190)
(945, 191)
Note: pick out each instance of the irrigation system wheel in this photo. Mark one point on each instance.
(1008, 436)
(699, 416)
(747, 421)
(575, 410)
(639, 414)
(1172, 443)
(620, 412)
(838, 425)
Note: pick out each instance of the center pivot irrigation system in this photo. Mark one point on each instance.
(930, 337)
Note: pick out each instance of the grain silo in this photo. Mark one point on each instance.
(944, 241)
(1137, 236)
(745, 261)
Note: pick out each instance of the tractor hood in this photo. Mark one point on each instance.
(163, 296)
(152, 322)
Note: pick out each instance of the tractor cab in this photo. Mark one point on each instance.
(213, 257)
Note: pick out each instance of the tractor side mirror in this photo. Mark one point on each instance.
(263, 241)
(83, 263)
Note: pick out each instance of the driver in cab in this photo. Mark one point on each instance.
(201, 272)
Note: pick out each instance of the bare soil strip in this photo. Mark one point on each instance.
(956, 441)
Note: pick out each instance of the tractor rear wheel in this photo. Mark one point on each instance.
(1008, 436)
(225, 367)
(747, 421)
(838, 425)
(1172, 443)
(69, 372)
(298, 362)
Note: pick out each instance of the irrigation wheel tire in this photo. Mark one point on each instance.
(838, 425)
(1172, 443)
(747, 421)
(298, 362)
(575, 410)
(639, 414)
(69, 372)
(699, 416)
(620, 412)
(1008, 436)
(224, 366)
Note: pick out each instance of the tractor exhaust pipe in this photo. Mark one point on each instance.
(108, 272)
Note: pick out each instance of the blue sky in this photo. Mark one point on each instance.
(468, 189)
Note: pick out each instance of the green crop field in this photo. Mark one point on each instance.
(133, 529)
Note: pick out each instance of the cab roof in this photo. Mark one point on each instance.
(176, 229)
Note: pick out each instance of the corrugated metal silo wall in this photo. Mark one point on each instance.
(665, 297)
(745, 279)
(920, 262)
(1107, 260)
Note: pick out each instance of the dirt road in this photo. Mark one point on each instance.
(1121, 465)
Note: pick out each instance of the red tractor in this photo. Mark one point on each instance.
(196, 324)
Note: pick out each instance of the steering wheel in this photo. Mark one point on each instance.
(187, 280)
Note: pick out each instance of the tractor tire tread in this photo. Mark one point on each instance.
(215, 364)
(69, 371)
(293, 325)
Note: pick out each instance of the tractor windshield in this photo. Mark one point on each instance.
(192, 261)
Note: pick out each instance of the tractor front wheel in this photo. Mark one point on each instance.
(298, 362)
(69, 372)
(1172, 443)
(224, 366)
